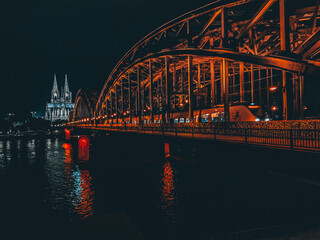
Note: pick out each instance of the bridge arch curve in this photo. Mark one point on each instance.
(85, 103)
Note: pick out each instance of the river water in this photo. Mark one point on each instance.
(43, 188)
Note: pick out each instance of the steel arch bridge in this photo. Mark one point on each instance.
(225, 52)
(84, 106)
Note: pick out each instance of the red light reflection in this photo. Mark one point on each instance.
(68, 155)
(166, 150)
(68, 133)
(83, 148)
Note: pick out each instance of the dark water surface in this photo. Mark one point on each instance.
(198, 194)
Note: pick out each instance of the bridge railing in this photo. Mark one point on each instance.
(291, 138)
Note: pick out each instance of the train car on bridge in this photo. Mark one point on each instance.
(238, 112)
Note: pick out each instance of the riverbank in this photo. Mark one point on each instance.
(33, 134)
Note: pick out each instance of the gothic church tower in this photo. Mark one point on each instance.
(61, 103)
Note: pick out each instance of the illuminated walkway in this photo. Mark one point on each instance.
(297, 139)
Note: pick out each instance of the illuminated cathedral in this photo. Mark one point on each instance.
(61, 104)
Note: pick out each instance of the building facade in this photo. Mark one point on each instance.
(61, 103)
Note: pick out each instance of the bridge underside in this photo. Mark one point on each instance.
(227, 52)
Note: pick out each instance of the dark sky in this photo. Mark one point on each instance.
(82, 38)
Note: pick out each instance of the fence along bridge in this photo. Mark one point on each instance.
(225, 53)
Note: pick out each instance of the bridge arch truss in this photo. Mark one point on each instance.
(225, 52)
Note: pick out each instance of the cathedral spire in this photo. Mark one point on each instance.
(55, 85)
(55, 91)
(66, 86)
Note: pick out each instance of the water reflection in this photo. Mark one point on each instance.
(68, 157)
(84, 190)
(169, 199)
(2, 154)
(80, 183)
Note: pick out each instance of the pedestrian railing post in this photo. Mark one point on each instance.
(291, 138)
(192, 131)
(245, 136)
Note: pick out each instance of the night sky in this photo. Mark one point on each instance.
(81, 38)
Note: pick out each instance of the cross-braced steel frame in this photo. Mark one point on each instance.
(225, 52)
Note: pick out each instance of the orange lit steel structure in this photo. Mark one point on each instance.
(224, 52)
(84, 105)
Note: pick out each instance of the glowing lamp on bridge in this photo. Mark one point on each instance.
(274, 108)
(273, 88)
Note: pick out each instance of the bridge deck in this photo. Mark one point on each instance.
(297, 139)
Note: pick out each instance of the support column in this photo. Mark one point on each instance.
(142, 99)
(129, 98)
(190, 87)
(198, 84)
(138, 94)
(122, 101)
(267, 87)
(174, 78)
(252, 83)
(241, 67)
(116, 103)
(224, 29)
(111, 107)
(182, 85)
(284, 27)
(225, 77)
(287, 90)
(168, 90)
(158, 94)
(287, 96)
(301, 81)
(212, 77)
(259, 77)
(233, 81)
(295, 82)
(163, 101)
(150, 91)
(221, 83)
(174, 85)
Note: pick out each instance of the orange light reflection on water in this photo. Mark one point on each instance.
(85, 206)
(168, 183)
(68, 156)
(169, 198)
(82, 185)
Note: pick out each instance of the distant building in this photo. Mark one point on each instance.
(61, 103)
